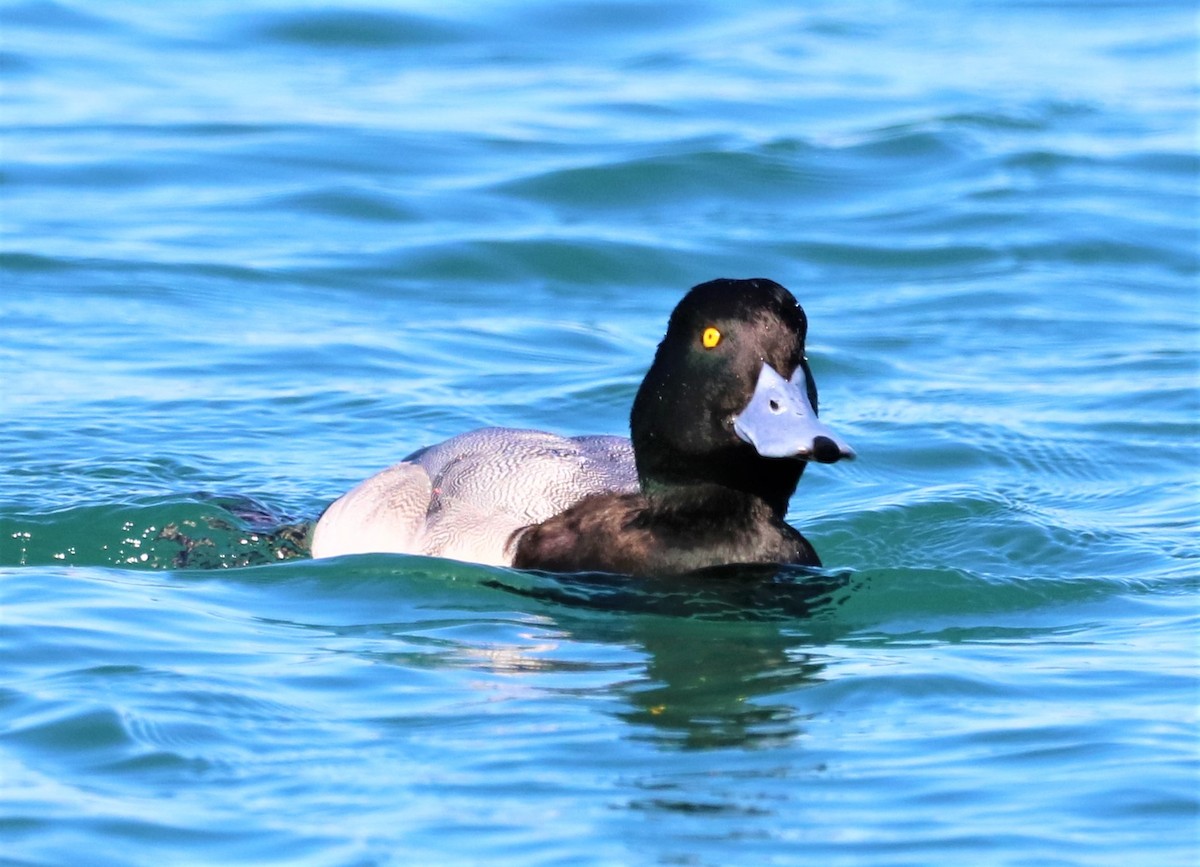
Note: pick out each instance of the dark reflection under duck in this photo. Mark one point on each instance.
(718, 644)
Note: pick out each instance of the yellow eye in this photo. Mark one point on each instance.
(710, 338)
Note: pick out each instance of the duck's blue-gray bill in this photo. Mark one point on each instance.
(780, 422)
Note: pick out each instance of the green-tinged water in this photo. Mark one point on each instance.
(254, 252)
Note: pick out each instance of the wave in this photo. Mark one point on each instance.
(198, 531)
(1006, 560)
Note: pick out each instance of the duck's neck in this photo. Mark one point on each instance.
(684, 497)
(726, 475)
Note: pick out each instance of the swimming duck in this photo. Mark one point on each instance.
(723, 425)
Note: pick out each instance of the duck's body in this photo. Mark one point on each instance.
(723, 426)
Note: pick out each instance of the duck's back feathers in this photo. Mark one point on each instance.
(464, 497)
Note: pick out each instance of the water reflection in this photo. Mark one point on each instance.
(709, 687)
(718, 646)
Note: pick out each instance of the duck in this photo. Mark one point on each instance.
(721, 429)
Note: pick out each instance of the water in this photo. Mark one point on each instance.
(256, 251)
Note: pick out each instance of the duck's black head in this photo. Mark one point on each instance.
(729, 399)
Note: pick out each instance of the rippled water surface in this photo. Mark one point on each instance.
(256, 251)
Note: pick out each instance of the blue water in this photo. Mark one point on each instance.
(256, 251)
